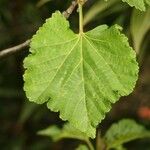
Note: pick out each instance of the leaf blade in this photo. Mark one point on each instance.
(79, 75)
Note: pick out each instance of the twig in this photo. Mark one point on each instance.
(9, 51)
(70, 9)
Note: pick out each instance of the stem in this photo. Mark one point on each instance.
(14, 49)
(99, 141)
(88, 142)
(80, 18)
(70, 9)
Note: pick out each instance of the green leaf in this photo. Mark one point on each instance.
(140, 25)
(52, 131)
(82, 147)
(148, 2)
(80, 75)
(66, 132)
(120, 147)
(124, 131)
(138, 4)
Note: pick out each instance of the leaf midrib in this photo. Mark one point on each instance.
(81, 36)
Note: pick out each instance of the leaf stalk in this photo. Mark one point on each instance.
(88, 142)
(80, 4)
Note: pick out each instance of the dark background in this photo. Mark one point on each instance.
(19, 119)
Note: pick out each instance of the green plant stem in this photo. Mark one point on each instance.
(99, 141)
(80, 18)
(88, 142)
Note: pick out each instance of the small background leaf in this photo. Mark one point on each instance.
(120, 148)
(52, 131)
(124, 131)
(148, 2)
(139, 4)
(66, 132)
(82, 147)
(140, 25)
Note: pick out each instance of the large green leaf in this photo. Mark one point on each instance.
(80, 75)
(124, 131)
(67, 131)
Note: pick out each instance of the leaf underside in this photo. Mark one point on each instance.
(80, 75)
